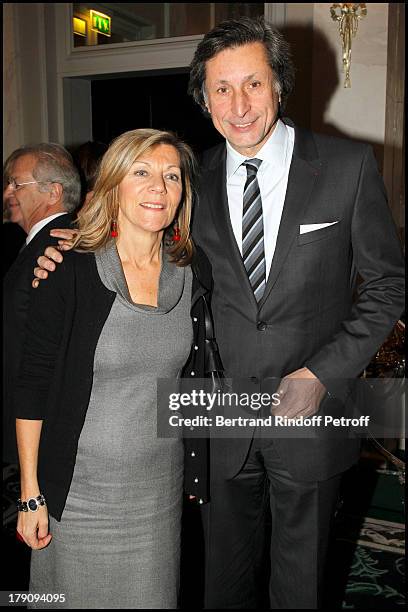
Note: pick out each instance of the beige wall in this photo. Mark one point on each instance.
(12, 128)
(24, 75)
(357, 112)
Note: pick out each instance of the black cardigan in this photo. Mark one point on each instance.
(66, 317)
(17, 294)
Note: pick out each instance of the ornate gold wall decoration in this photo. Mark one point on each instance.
(347, 15)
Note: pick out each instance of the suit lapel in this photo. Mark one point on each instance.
(216, 185)
(303, 174)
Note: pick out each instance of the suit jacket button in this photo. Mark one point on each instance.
(261, 326)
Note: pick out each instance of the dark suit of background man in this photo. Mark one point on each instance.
(325, 218)
(45, 185)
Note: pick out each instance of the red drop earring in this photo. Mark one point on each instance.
(114, 229)
(176, 232)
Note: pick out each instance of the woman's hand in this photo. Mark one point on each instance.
(33, 528)
(52, 254)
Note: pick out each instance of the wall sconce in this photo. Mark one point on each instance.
(348, 16)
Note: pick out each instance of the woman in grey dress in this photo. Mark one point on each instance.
(104, 491)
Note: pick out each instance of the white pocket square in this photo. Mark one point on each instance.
(312, 227)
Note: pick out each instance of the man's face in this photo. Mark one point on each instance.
(12, 210)
(27, 199)
(242, 96)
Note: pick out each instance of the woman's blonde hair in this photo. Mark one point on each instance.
(95, 218)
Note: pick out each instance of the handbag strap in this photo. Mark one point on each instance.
(201, 293)
(209, 328)
(213, 363)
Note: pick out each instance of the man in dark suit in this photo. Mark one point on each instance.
(45, 186)
(287, 218)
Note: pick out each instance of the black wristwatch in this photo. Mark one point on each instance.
(32, 504)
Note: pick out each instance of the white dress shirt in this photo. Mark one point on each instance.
(38, 226)
(276, 156)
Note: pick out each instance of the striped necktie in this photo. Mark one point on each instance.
(253, 252)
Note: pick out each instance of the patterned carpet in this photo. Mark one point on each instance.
(376, 576)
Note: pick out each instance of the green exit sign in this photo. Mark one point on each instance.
(101, 23)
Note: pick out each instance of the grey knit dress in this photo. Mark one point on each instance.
(118, 542)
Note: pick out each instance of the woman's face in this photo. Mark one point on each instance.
(150, 193)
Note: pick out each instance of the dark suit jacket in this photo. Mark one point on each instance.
(17, 294)
(307, 316)
(13, 237)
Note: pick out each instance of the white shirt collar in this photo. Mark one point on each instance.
(38, 226)
(273, 151)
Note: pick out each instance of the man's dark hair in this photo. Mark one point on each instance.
(235, 33)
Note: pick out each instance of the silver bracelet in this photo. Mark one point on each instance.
(32, 504)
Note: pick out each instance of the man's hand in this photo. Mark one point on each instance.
(300, 394)
(52, 254)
